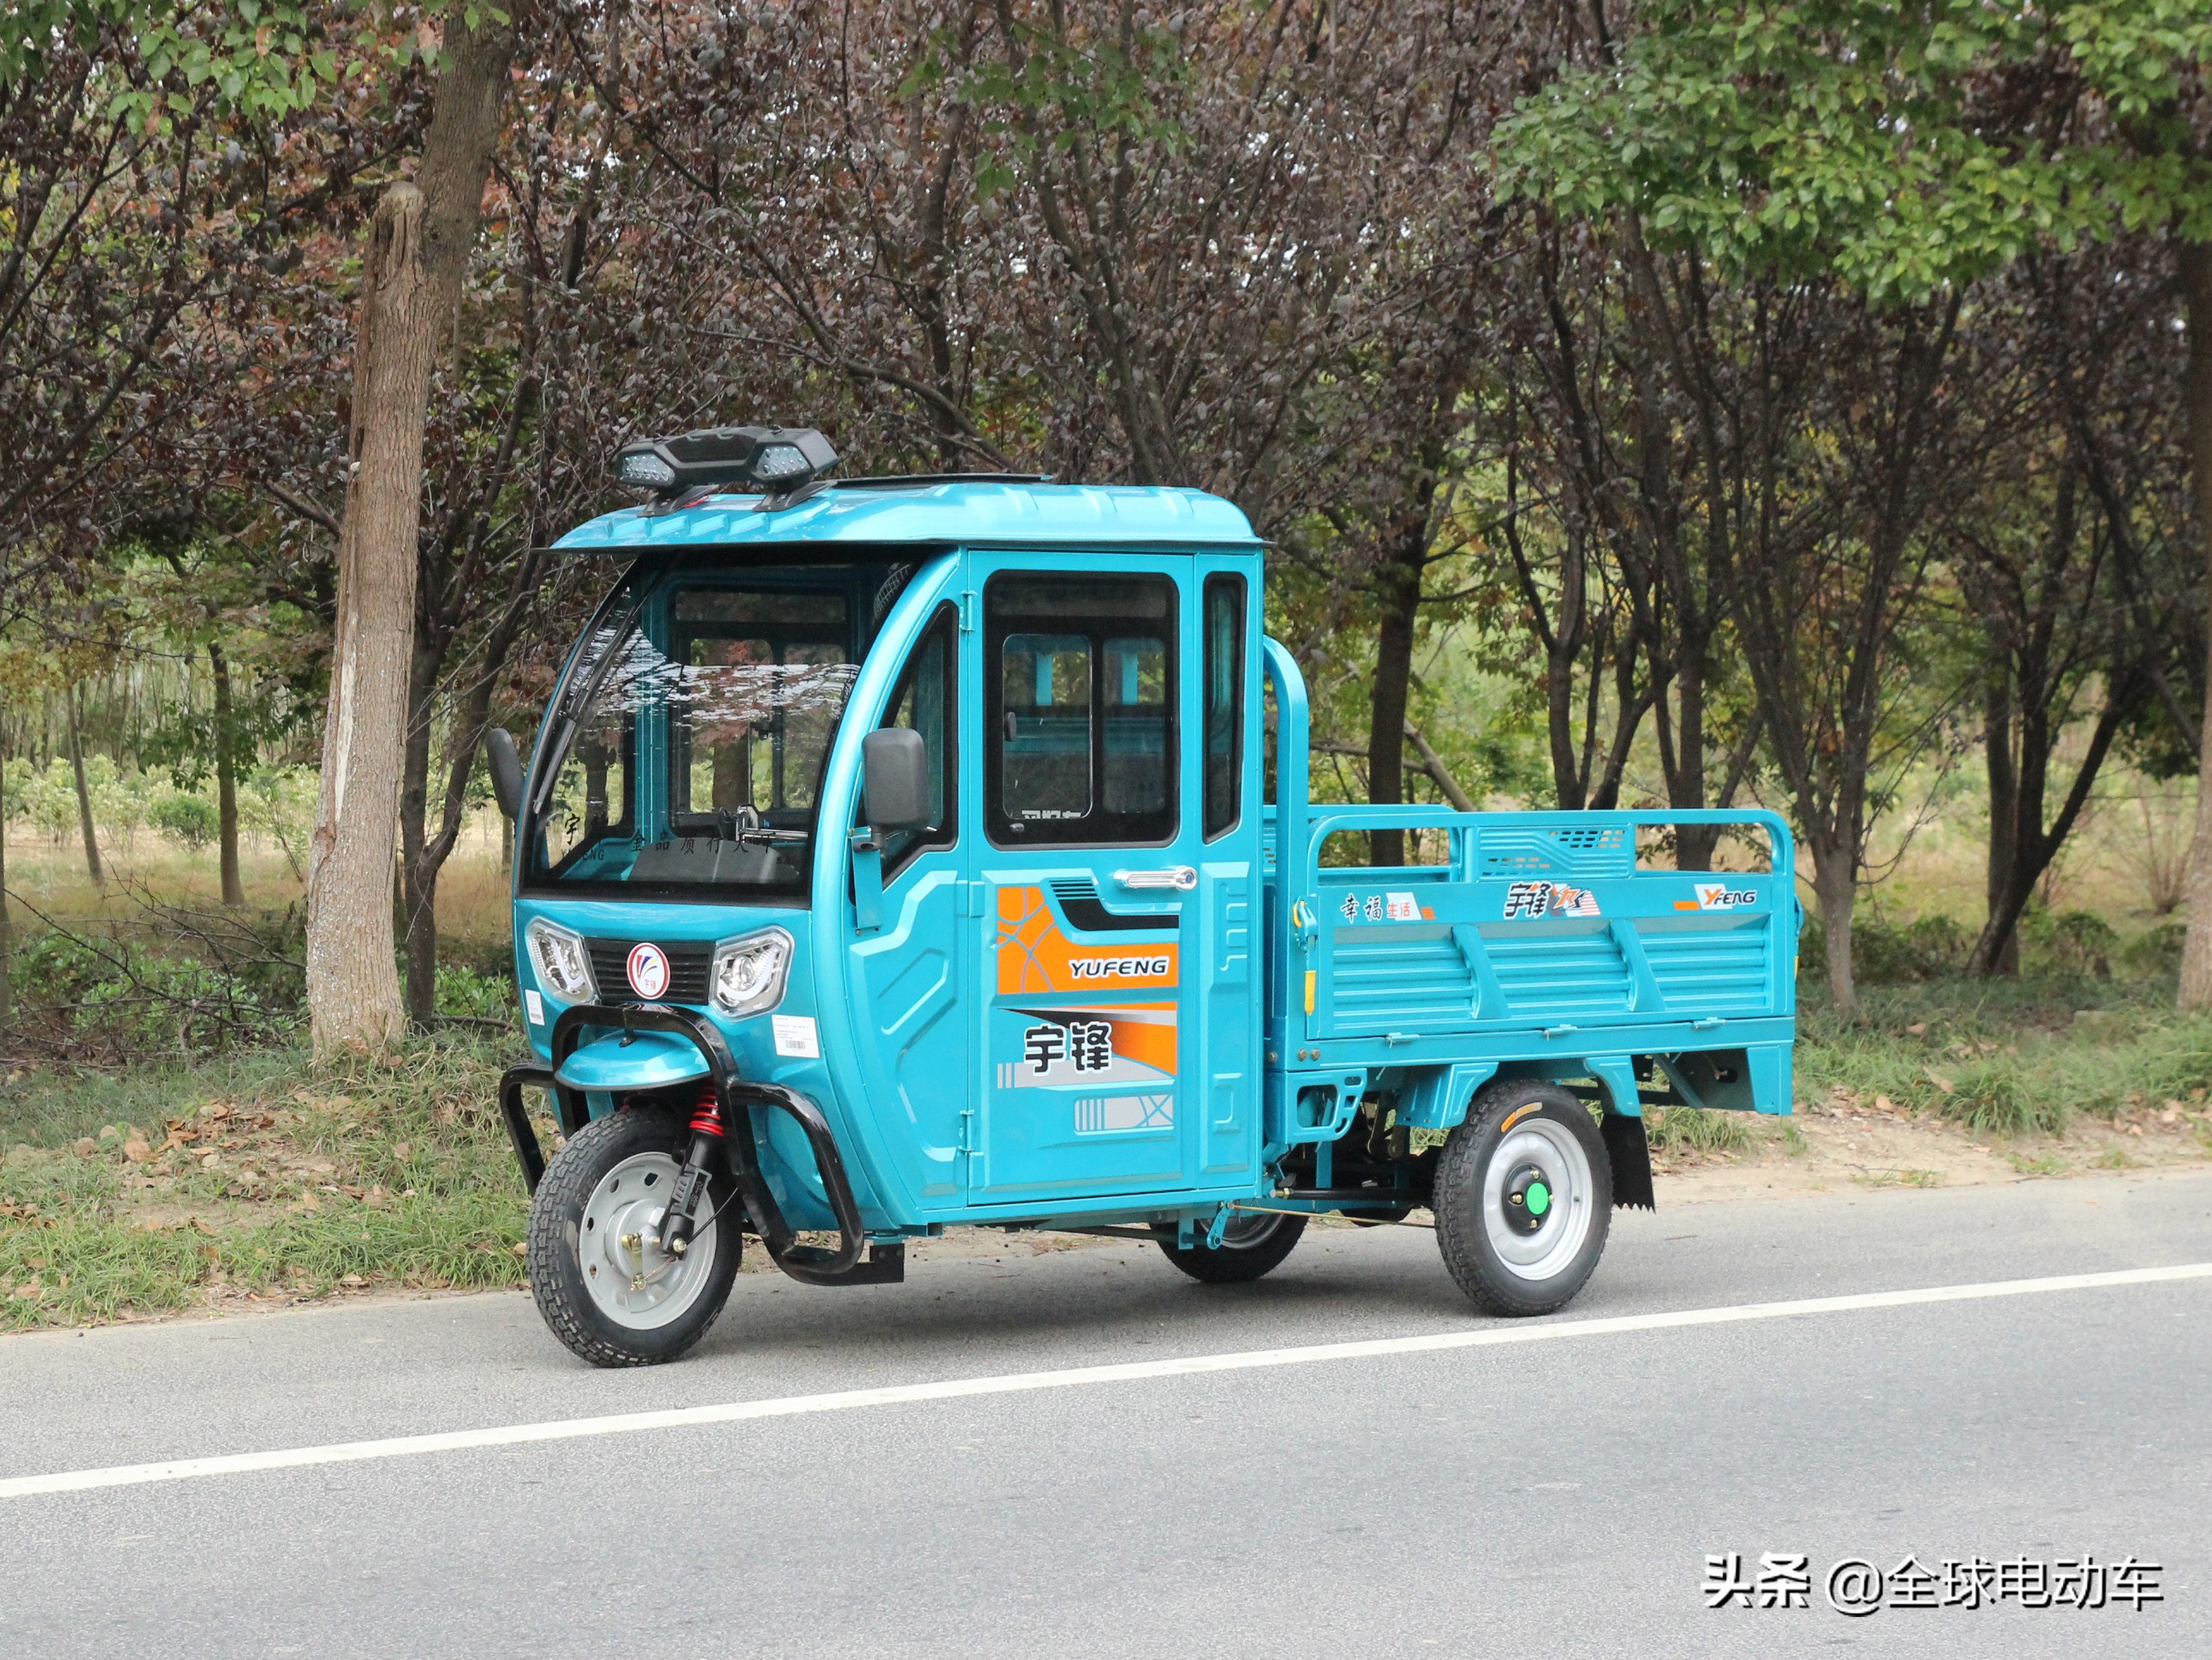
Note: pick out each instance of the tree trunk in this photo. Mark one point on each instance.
(225, 778)
(1399, 585)
(1694, 844)
(411, 292)
(2194, 260)
(7, 922)
(1835, 885)
(353, 986)
(1997, 953)
(418, 875)
(84, 794)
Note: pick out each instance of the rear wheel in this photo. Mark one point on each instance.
(1523, 1198)
(602, 1281)
(1252, 1244)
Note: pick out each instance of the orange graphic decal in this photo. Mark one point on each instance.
(1034, 956)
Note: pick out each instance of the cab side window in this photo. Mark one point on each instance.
(1079, 741)
(924, 702)
(1224, 702)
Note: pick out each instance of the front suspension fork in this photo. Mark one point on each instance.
(680, 1221)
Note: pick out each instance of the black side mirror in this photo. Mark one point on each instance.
(505, 769)
(895, 773)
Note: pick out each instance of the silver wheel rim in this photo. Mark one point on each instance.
(1553, 1149)
(1250, 1232)
(629, 1278)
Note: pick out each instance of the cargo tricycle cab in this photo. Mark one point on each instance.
(894, 855)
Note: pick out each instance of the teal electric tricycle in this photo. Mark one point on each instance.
(906, 854)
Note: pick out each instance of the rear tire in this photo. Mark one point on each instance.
(594, 1229)
(1523, 1198)
(1251, 1246)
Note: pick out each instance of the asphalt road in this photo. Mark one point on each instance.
(1545, 1498)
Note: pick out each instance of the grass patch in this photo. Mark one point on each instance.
(255, 1173)
(2011, 1057)
(1695, 1130)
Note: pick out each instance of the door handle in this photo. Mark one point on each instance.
(1182, 878)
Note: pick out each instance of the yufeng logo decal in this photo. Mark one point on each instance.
(648, 970)
(1530, 900)
(1120, 968)
(1718, 896)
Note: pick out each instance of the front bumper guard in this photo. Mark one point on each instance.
(885, 1265)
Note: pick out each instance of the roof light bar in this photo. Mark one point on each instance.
(775, 460)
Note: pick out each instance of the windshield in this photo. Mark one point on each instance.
(689, 747)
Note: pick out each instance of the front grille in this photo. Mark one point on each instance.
(687, 961)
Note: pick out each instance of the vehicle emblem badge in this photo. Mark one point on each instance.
(648, 970)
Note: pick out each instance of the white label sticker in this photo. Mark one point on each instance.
(1402, 908)
(794, 1035)
(1719, 896)
(534, 1006)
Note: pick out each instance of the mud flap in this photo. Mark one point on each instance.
(1629, 1152)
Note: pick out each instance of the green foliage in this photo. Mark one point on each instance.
(2065, 944)
(1923, 949)
(261, 58)
(2155, 952)
(472, 995)
(190, 818)
(1900, 149)
(1884, 953)
(2076, 942)
(240, 984)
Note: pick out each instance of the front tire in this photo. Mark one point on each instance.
(601, 1281)
(1251, 1245)
(1523, 1198)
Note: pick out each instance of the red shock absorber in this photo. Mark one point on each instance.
(680, 1219)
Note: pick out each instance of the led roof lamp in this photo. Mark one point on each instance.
(777, 462)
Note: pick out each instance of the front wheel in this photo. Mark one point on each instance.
(1251, 1244)
(601, 1280)
(1523, 1198)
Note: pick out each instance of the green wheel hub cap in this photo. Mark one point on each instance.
(1540, 1199)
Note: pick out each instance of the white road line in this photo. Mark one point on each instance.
(630, 1423)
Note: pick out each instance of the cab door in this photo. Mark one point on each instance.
(1088, 856)
(912, 976)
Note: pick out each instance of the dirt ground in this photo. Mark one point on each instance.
(1849, 1142)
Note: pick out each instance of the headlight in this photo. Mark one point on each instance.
(645, 469)
(778, 461)
(747, 976)
(565, 967)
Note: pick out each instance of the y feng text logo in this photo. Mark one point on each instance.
(1117, 967)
